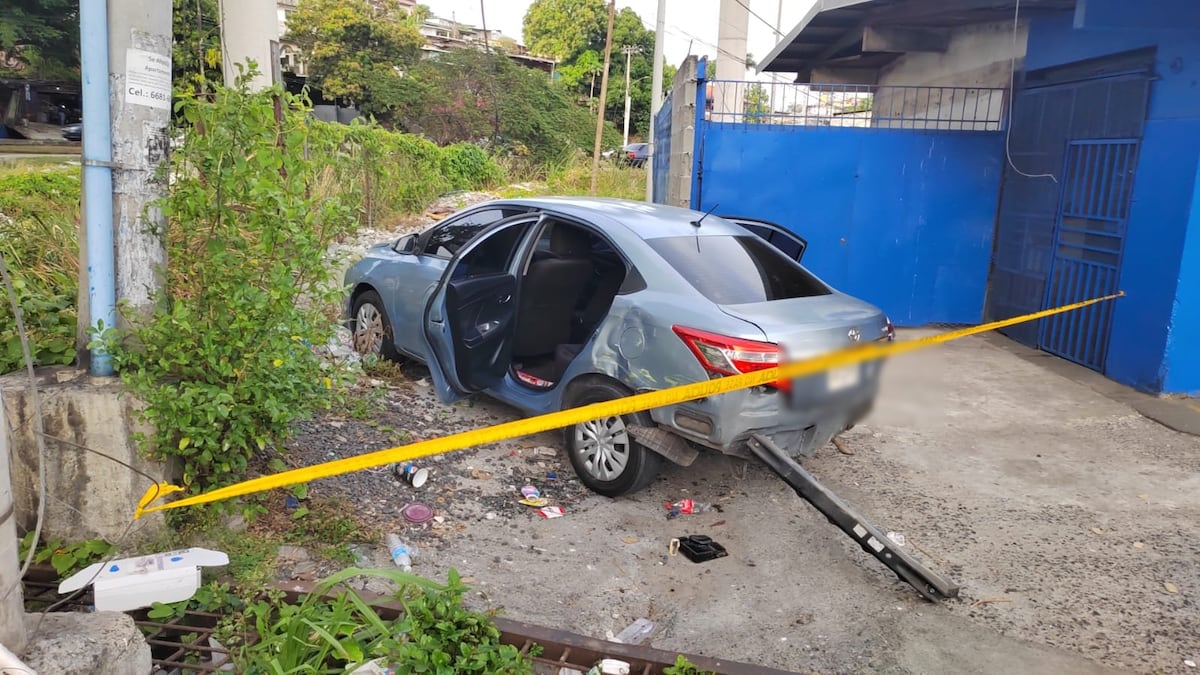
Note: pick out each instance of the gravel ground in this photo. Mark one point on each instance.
(1070, 521)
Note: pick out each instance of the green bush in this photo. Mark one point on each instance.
(225, 364)
(468, 167)
(38, 214)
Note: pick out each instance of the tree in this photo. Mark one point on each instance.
(40, 38)
(464, 89)
(758, 104)
(563, 29)
(356, 53)
(196, 54)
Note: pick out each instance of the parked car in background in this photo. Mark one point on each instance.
(73, 132)
(552, 303)
(636, 154)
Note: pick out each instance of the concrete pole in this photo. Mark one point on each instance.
(248, 29)
(656, 84)
(139, 60)
(612, 15)
(12, 600)
(731, 61)
(629, 52)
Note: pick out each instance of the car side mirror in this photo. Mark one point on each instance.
(406, 244)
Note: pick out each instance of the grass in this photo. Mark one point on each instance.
(574, 177)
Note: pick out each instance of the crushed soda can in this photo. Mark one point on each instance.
(538, 501)
(685, 506)
(551, 512)
(530, 492)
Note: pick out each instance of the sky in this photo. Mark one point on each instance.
(690, 24)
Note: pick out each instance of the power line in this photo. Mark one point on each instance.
(755, 15)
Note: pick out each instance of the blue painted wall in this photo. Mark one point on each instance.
(1181, 363)
(1145, 349)
(903, 219)
(662, 151)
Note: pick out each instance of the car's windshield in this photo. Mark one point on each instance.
(735, 270)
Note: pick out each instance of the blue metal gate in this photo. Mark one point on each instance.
(1088, 240)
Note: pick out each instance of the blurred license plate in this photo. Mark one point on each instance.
(845, 377)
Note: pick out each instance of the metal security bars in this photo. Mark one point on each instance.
(853, 105)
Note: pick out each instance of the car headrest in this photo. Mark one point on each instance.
(570, 242)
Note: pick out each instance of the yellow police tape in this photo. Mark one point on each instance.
(556, 420)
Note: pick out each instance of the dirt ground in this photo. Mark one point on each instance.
(1070, 521)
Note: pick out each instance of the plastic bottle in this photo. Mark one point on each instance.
(400, 552)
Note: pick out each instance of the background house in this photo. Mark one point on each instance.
(1020, 154)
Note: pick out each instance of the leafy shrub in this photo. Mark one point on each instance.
(38, 214)
(467, 167)
(435, 633)
(224, 366)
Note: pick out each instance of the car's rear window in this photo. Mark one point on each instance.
(735, 270)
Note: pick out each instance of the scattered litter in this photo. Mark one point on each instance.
(551, 476)
(400, 552)
(718, 523)
(610, 667)
(409, 473)
(535, 502)
(570, 671)
(491, 515)
(1138, 545)
(630, 539)
(1189, 663)
(1096, 530)
(897, 538)
(673, 547)
(551, 512)
(699, 548)
(530, 492)
(478, 474)
(417, 513)
(376, 667)
(686, 506)
(546, 452)
(291, 503)
(1143, 496)
(439, 519)
(1171, 588)
(841, 446)
(636, 632)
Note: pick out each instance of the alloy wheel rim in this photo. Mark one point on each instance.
(368, 330)
(602, 446)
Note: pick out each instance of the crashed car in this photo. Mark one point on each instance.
(552, 303)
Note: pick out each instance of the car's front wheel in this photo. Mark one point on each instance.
(602, 451)
(372, 329)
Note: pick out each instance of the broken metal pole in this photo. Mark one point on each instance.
(872, 540)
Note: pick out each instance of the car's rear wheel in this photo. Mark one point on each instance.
(602, 451)
(372, 330)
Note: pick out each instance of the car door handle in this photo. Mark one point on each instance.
(505, 298)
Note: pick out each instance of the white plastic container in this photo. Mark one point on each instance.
(132, 583)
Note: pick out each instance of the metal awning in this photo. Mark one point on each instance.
(862, 36)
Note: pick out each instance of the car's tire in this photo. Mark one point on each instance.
(371, 329)
(603, 453)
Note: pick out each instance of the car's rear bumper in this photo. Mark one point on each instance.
(727, 421)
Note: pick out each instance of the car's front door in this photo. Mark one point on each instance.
(788, 242)
(470, 318)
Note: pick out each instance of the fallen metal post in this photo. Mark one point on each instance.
(872, 540)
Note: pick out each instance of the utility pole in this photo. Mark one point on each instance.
(628, 51)
(729, 90)
(656, 84)
(139, 58)
(612, 15)
(248, 29)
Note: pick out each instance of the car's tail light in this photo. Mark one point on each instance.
(723, 355)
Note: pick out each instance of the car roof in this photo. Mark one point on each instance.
(648, 221)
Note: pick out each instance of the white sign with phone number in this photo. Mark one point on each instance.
(147, 78)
